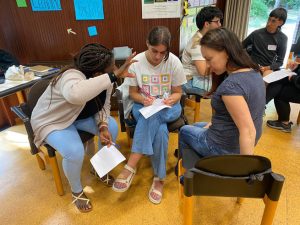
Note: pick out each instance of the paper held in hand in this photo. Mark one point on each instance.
(150, 110)
(106, 159)
(278, 75)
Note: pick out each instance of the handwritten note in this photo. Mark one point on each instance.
(92, 30)
(45, 5)
(21, 3)
(89, 10)
(150, 110)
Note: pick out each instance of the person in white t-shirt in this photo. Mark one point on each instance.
(194, 64)
(158, 74)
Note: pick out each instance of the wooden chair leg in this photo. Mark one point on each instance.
(188, 204)
(96, 143)
(40, 162)
(197, 112)
(180, 186)
(269, 212)
(56, 175)
(180, 172)
(20, 97)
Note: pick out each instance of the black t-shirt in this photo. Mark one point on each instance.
(6, 60)
(267, 49)
(93, 106)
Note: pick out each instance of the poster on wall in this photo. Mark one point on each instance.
(153, 9)
(197, 3)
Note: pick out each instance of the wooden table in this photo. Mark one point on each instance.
(16, 87)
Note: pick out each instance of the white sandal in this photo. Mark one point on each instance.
(153, 190)
(127, 181)
(76, 198)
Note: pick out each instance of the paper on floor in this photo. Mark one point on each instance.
(106, 159)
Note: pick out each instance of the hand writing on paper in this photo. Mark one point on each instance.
(148, 100)
(169, 101)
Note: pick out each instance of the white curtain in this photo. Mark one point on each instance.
(236, 17)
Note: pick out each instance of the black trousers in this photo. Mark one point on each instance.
(283, 92)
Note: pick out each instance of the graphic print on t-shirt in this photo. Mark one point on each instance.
(156, 85)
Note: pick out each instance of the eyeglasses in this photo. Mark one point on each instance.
(215, 21)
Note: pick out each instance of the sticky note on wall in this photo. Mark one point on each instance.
(92, 31)
(89, 10)
(45, 5)
(21, 3)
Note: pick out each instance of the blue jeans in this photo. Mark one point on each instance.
(189, 88)
(194, 138)
(68, 143)
(151, 136)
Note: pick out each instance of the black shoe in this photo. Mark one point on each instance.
(280, 125)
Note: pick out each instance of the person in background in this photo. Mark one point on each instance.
(193, 62)
(238, 102)
(267, 46)
(79, 99)
(283, 92)
(158, 74)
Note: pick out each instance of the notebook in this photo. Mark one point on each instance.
(40, 68)
(41, 71)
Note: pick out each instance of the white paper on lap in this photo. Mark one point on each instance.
(150, 110)
(278, 75)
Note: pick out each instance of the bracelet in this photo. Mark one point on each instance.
(103, 125)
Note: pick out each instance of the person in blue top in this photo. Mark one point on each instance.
(238, 102)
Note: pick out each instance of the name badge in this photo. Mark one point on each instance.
(272, 47)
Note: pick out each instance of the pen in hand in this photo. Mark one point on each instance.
(112, 143)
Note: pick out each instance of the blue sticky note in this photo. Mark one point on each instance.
(45, 5)
(92, 31)
(89, 10)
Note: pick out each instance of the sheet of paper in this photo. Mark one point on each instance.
(154, 108)
(106, 159)
(278, 75)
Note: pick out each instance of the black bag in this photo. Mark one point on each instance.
(6, 60)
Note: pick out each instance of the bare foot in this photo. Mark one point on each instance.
(82, 202)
